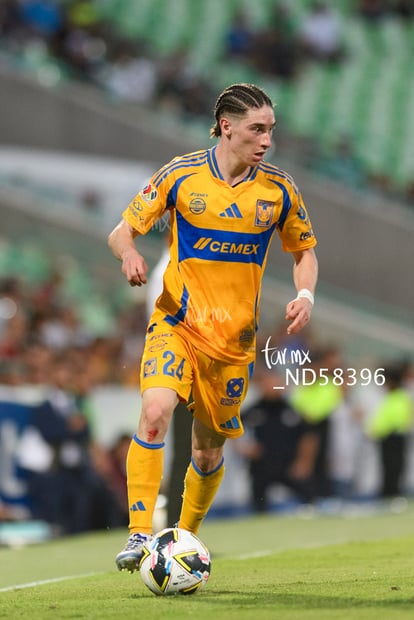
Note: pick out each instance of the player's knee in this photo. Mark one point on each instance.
(207, 460)
(155, 417)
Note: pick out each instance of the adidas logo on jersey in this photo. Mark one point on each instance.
(231, 211)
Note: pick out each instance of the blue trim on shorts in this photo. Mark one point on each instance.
(208, 473)
(151, 446)
(251, 369)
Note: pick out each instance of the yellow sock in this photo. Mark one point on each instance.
(144, 472)
(199, 491)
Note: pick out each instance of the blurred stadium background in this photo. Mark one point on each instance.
(78, 138)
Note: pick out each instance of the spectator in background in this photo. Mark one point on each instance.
(65, 488)
(282, 18)
(275, 49)
(83, 13)
(55, 453)
(282, 447)
(390, 425)
(117, 471)
(42, 17)
(130, 74)
(275, 54)
(62, 328)
(83, 41)
(239, 38)
(316, 398)
(37, 359)
(404, 9)
(9, 18)
(372, 10)
(320, 35)
(346, 438)
(13, 335)
(180, 88)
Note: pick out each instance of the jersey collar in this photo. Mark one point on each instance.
(215, 171)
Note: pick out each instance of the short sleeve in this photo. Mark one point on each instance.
(295, 228)
(147, 206)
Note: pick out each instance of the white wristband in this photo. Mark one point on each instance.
(305, 293)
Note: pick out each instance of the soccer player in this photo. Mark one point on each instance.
(225, 205)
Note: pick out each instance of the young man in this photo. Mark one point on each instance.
(225, 204)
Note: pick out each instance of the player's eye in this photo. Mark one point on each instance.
(261, 129)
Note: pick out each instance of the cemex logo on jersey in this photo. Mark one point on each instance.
(226, 247)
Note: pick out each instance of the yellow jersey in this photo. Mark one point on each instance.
(219, 240)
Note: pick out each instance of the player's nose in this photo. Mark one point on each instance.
(266, 139)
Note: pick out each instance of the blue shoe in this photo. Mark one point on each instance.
(130, 557)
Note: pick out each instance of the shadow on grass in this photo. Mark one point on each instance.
(260, 600)
(309, 601)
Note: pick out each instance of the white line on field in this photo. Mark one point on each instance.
(44, 582)
(310, 545)
(253, 554)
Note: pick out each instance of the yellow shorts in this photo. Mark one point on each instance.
(218, 388)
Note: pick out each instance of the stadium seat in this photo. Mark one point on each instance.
(369, 94)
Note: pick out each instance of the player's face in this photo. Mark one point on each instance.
(251, 135)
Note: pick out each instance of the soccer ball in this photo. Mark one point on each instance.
(175, 561)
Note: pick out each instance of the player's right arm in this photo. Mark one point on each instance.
(122, 244)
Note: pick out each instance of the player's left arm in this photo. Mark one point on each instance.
(305, 275)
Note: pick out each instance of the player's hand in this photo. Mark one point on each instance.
(298, 312)
(134, 267)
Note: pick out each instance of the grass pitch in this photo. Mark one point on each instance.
(352, 567)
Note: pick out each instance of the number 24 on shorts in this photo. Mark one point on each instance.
(169, 369)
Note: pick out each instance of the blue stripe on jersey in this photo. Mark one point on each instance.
(176, 164)
(221, 245)
(212, 162)
(236, 210)
(266, 166)
(173, 319)
(286, 204)
(172, 194)
(197, 156)
(275, 171)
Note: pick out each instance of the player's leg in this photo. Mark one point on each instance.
(145, 461)
(145, 456)
(166, 376)
(204, 475)
(218, 390)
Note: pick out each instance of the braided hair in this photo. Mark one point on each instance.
(237, 99)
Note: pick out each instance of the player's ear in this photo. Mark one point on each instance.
(225, 125)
